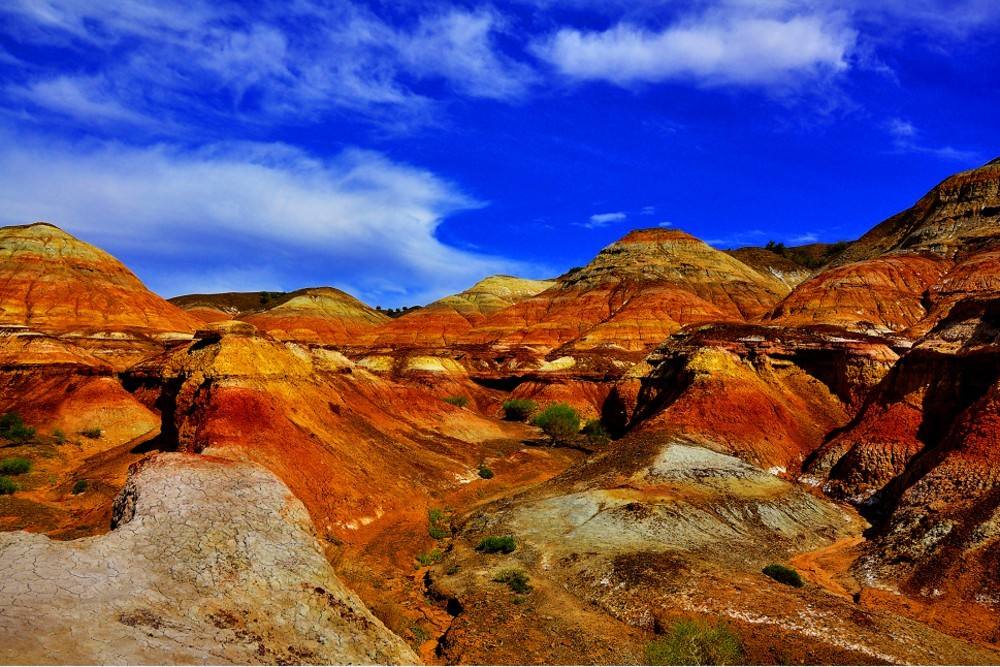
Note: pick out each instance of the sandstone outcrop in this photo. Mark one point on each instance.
(86, 428)
(921, 457)
(769, 395)
(320, 315)
(209, 562)
(352, 446)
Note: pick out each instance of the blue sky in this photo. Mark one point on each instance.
(403, 150)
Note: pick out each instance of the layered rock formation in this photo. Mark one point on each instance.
(321, 315)
(766, 394)
(927, 432)
(767, 262)
(209, 562)
(879, 296)
(59, 285)
(445, 321)
(633, 294)
(352, 446)
(959, 217)
(86, 426)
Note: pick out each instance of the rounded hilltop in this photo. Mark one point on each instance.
(655, 235)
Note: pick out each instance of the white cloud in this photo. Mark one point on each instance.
(250, 215)
(647, 210)
(712, 49)
(906, 138)
(79, 97)
(801, 239)
(459, 46)
(604, 219)
(665, 223)
(299, 60)
(900, 128)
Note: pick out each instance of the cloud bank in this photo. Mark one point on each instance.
(251, 216)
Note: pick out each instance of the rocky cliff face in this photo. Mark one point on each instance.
(209, 562)
(959, 217)
(352, 446)
(922, 456)
(86, 428)
(766, 394)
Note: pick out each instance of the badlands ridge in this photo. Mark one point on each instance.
(277, 477)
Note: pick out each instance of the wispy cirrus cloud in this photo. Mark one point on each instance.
(152, 60)
(251, 216)
(907, 138)
(604, 219)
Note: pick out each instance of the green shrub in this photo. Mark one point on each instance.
(694, 642)
(559, 421)
(79, 486)
(92, 433)
(459, 401)
(519, 409)
(430, 557)
(516, 580)
(784, 575)
(13, 428)
(7, 486)
(59, 436)
(485, 473)
(14, 465)
(437, 523)
(494, 544)
(595, 431)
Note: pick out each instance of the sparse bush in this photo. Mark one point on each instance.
(7, 486)
(559, 421)
(784, 575)
(79, 486)
(437, 523)
(13, 428)
(458, 401)
(419, 633)
(516, 580)
(430, 557)
(497, 544)
(694, 642)
(595, 432)
(485, 473)
(59, 436)
(519, 409)
(14, 465)
(92, 433)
